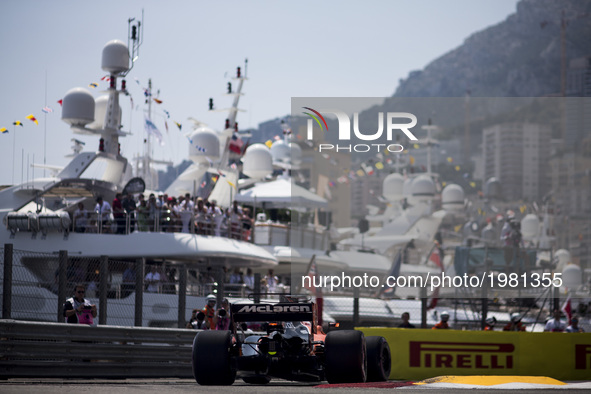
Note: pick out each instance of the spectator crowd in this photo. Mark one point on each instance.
(185, 214)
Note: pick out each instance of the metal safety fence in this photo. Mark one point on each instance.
(36, 286)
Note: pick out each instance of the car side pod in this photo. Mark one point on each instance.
(379, 360)
(212, 358)
(345, 357)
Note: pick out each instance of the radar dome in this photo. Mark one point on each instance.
(452, 197)
(530, 225)
(115, 57)
(562, 257)
(572, 276)
(492, 188)
(100, 111)
(205, 144)
(280, 151)
(296, 153)
(78, 107)
(257, 161)
(423, 186)
(392, 187)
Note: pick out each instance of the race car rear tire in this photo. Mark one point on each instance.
(379, 360)
(261, 379)
(212, 363)
(345, 356)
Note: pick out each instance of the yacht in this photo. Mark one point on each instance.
(37, 217)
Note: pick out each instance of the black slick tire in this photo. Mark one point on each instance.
(379, 360)
(212, 363)
(345, 357)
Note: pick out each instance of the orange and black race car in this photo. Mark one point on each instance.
(294, 348)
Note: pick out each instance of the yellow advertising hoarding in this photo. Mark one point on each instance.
(420, 354)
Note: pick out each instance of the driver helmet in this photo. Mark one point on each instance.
(491, 321)
(515, 317)
(445, 315)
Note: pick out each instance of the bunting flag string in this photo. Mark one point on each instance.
(32, 118)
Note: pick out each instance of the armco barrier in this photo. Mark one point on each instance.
(39, 349)
(420, 354)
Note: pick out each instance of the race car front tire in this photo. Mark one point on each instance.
(345, 356)
(379, 360)
(212, 363)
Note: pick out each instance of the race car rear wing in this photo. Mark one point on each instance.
(274, 312)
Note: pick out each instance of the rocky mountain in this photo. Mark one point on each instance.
(517, 57)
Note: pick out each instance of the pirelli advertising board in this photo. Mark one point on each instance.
(421, 354)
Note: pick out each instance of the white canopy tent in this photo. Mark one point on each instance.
(281, 193)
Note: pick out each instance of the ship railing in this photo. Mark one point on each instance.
(164, 222)
(277, 234)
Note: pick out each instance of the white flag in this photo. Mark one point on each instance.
(153, 130)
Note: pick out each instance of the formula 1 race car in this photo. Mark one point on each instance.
(294, 348)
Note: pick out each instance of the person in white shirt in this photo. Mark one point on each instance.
(152, 280)
(187, 204)
(217, 215)
(103, 211)
(555, 325)
(80, 218)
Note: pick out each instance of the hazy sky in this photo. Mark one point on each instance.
(191, 49)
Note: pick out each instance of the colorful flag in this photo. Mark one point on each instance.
(93, 85)
(236, 144)
(567, 309)
(32, 118)
(200, 148)
(151, 128)
(167, 114)
(17, 123)
(106, 78)
(47, 110)
(368, 169)
(231, 184)
(3, 130)
(60, 102)
(157, 101)
(269, 143)
(180, 126)
(166, 126)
